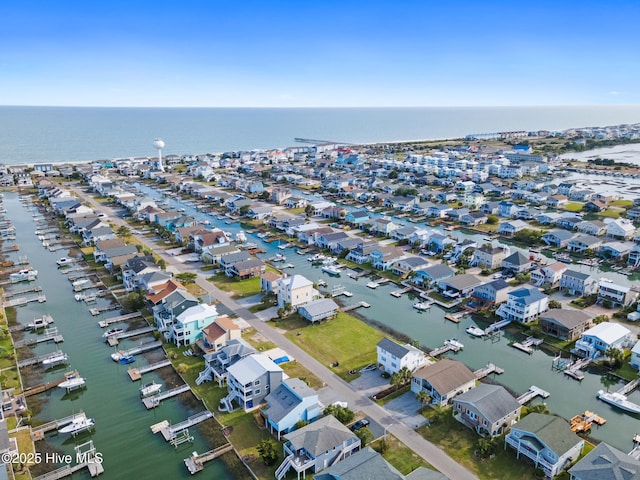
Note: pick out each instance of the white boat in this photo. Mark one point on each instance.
(241, 237)
(80, 423)
(149, 389)
(81, 284)
(24, 274)
(373, 284)
(117, 355)
(332, 269)
(55, 360)
(455, 343)
(318, 257)
(72, 382)
(475, 331)
(39, 323)
(422, 306)
(618, 400)
(63, 261)
(112, 332)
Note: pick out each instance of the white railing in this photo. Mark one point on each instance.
(284, 467)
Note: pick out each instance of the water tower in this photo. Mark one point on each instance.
(159, 144)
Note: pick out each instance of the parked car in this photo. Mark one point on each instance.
(363, 422)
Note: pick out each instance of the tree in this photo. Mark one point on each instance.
(393, 174)
(423, 397)
(365, 436)
(186, 277)
(401, 377)
(123, 232)
(301, 423)
(382, 446)
(343, 414)
(555, 304)
(134, 301)
(244, 210)
(615, 356)
(492, 220)
(487, 447)
(268, 451)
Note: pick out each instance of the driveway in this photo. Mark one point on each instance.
(406, 409)
(369, 383)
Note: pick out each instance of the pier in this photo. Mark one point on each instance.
(17, 302)
(447, 347)
(37, 433)
(339, 290)
(488, 370)
(95, 311)
(144, 347)
(154, 401)
(35, 360)
(49, 335)
(574, 369)
(92, 462)
(527, 345)
(532, 393)
(195, 463)
(113, 340)
(348, 308)
(136, 373)
(399, 293)
(23, 291)
(584, 422)
(169, 432)
(43, 387)
(120, 318)
(629, 387)
(454, 317)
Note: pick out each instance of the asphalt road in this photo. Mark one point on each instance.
(427, 450)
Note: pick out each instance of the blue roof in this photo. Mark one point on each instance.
(527, 295)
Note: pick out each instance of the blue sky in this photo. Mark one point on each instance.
(327, 54)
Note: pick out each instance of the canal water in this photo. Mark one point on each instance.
(567, 398)
(122, 434)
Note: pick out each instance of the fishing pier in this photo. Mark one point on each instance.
(195, 463)
(136, 373)
(154, 401)
(487, 370)
(532, 393)
(527, 345)
(119, 318)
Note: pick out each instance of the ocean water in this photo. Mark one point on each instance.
(70, 134)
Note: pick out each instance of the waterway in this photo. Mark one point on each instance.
(568, 397)
(122, 432)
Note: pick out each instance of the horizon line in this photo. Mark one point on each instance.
(551, 105)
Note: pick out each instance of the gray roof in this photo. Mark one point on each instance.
(320, 436)
(566, 318)
(414, 261)
(586, 239)
(248, 264)
(460, 282)
(319, 307)
(516, 258)
(560, 234)
(552, 430)
(446, 375)
(235, 257)
(574, 274)
(438, 270)
(286, 397)
(423, 473)
(493, 402)
(393, 348)
(363, 465)
(606, 462)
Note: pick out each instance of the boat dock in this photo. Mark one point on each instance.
(120, 318)
(195, 463)
(43, 387)
(496, 326)
(35, 360)
(454, 317)
(338, 290)
(584, 422)
(37, 433)
(23, 291)
(91, 462)
(574, 369)
(113, 340)
(399, 293)
(154, 401)
(348, 308)
(144, 347)
(49, 334)
(17, 302)
(527, 345)
(447, 347)
(532, 393)
(487, 370)
(95, 311)
(37, 323)
(169, 432)
(136, 373)
(629, 387)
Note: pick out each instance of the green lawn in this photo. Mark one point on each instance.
(345, 340)
(611, 212)
(573, 207)
(401, 456)
(621, 203)
(240, 288)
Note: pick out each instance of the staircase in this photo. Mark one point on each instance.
(204, 376)
(284, 467)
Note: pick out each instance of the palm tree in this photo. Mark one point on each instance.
(123, 232)
(615, 356)
(423, 397)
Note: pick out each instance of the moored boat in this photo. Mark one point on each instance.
(475, 331)
(373, 285)
(422, 306)
(80, 423)
(455, 343)
(331, 269)
(72, 382)
(112, 332)
(127, 359)
(150, 389)
(24, 274)
(63, 261)
(618, 400)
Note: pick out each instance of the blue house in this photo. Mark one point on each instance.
(432, 275)
(357, 217)
(293, 401)
(507, 209)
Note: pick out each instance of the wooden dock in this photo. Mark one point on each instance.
(454, 317)
(154, 401)
(532, 393)
(584, 422)
(120, 318)
(348, 308)
(143, 347)
(527, 345)
(24, 291)
(629, 387)
(113, 340)
(447, 347)
(487, 370)
(37, 433)
(136, 373)
(91, 462)
(169, 432)
(39, 359)
(17, 302)
(399, 293)
(95, 311)
(195, 463)
(574, 369)
(43, 387)
(496, 326)
(51, 334)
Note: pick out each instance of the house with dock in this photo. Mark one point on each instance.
(598, 339)
(547, 440)
(318, 310)
(430, 276)
(295, 290)
(459, 286)
(317, 446)
(524, 305)
(188, 325)
(491, 293)
(487, 409)
(291, 402)
(216, 363)
(443, 380)
(392, 356)
(564, 324)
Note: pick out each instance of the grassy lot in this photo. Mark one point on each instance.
(297, 370)
(239, 288)
(401, 456)
(294, 211)
(573, 207)
(257, 341)
(622, 203)
(612, 212)
(345, 340)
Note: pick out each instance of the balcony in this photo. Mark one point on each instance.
(524, 448)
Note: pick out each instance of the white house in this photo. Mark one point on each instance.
(295, 290)
(524, 305)
(621, 228)
(392, 356)
(599, 338)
